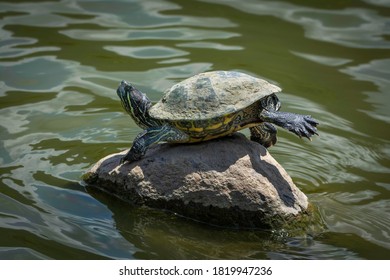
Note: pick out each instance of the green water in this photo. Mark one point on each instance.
(61, 61)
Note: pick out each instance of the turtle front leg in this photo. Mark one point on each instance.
(301, 125)
(264, 134)
(151, 136)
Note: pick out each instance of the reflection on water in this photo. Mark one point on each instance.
(60, 63)
(354, 27)
(23, 74)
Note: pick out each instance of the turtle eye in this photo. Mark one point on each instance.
(123, 83)
(126, 85)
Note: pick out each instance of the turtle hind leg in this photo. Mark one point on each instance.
(301, 125)
(264, 134)
(151, 136)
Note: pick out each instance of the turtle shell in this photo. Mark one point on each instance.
(211, 94)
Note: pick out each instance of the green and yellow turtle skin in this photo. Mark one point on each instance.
(207, 106)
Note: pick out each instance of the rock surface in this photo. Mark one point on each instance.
(229, 181)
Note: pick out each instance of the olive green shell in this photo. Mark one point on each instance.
(211, 94)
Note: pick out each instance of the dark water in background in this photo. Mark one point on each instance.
(61, 61)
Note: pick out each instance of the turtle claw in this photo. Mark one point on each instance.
(122, 160)
(306, 127)
(130, 157)
(301, 125)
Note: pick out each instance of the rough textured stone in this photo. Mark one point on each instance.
(229, 181)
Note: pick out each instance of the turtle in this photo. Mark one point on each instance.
(210, 105)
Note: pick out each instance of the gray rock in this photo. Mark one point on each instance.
(229, 181)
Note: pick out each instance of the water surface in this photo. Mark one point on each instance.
(61, 61)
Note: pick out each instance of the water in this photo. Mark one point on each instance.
(61, 61)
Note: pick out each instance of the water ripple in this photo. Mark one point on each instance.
(147, 14)
(23, 74)
(352, 27)
(363, 219)
(149, 52)
(176, 34)
(378, 72)
(62, 61)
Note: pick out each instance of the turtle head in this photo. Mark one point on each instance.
(135, 103)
